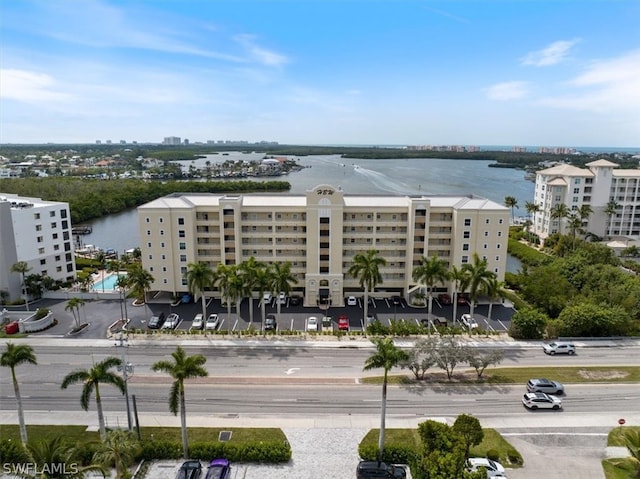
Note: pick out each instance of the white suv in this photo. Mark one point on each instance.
(559, 347)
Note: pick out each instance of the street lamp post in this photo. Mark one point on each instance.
(126, 368)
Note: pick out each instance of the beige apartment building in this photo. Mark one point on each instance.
(319, 233)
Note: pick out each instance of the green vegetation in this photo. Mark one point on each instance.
(624, 468)
(93, 198)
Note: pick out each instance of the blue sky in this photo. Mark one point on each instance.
(405, 72)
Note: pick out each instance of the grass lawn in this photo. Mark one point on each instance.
(569, 375)
(620, 468)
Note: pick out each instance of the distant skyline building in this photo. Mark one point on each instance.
(39, 233)
(612, 194)
(172, 140)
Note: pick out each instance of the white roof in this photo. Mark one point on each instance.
(566, 170)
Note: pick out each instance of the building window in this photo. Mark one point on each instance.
(181, 234)
(183, 270)
(576, 199)
(54, 236)
(466, 234)
(467, 221)
(183, 258)
(161, 232)
(484, 246)
(465, 259)
(162, 244)
(36, 216)
(576, 181)
(58, 258)
(164, 281)
(164, 269)
(486, 233)
(183, 245)
(499, 234)
(43, 261)
(465, 247)
(38, 227)
(163, 257)
(149, 245)
(146, 220)
(576, 191)
(40, 250)
(52, 214)
(184, 281)
(63, 213)
(65, 225)
(40, 239)
(148, 232)
(150, 257)
(498, 246)
(500, 221)
(161, 220)
(180, 221)
(487, 221)
(54, 225)
(497, 258)
(56, 247)
(58, 269)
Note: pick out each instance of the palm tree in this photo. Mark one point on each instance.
(119, 450)
(249, 271)
(91, 379)
(200, 276)
(182, 367)
(495, 289)
(457, 276)
(476, 279)
(140, 280)
(366, 268)
(262, 282)
(23, 268)
(46, 453)
(558, 212)
(431, 272)
(387, 356)
(532, 208)
(73, 305)
(15, 355)
(282, 280)
(610, 210)
(511, 202)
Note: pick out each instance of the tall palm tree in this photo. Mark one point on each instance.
(23, 268)
(511, 202)
(366, 269)
(532, 208)
(140, 280)
(249, 271)
(12, 356)
(91, 379)
(119, 450)
(495, 289)
(477, 278)
(182, 367)
(48, 452)
(431, 272)
(457, 276)
(610, 210)
(73, 305)
(558, 212)
(282, 280)
(199, 277)
(386, 356)
(122, 283)
(262, 282)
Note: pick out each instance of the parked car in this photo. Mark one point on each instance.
(171, 322)
(468, 321)
(282, 298)
(370, 318)
(213, 322)
(295, 300)
(219, 469)
(198, 321)
(559, 347)
(267, 298)
(541, 401)
(461, 300)
(396, 300)
(378, 469)
(435, 320)
(493, 468)
(156, 321)
(444, 299)
(312, 323)
(544, 385)
(343, 323)
(352, 301)
(270, 323)
(190, 470)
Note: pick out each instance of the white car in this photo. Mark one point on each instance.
(559, 347)
(541, 401)
(171, 322)
(469, 322)
(352, 301)
(213, 322)
(494, 469)
(282, 298)
(267, 298)
(312, 323)
(198, 321)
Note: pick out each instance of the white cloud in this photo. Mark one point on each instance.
(551, 55)
(507, 91)
(605, 86)
(260, 54)
(29, 86)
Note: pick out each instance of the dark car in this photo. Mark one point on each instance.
(190, 470)
(444, 299)
(396, 300)
(435, 320)
(295, 300)
(156, 321)
(378, 469)
(270, 323)
(219, 469)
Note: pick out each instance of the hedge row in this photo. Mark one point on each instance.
(271, 452)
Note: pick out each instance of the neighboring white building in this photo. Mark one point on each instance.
(596, 185)
(319, 233)
(39, 233)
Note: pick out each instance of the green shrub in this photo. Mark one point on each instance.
(13, 452)
(493, 455)
(393, 453)
(271, 452)
(41, 313)
(161, 450)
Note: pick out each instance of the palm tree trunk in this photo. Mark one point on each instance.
(455, 306)
(23, 427)
(430, 303)
(383, 413)
(204, 308)
(366, 307)
(183, 424)
(103, 429)
(26, 293)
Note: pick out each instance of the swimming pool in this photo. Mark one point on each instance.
(108, 283)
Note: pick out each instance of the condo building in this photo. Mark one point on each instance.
(39, 233)
(319, 233)
(613, 195)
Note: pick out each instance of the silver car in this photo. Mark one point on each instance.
(544, 385)
(559, 347)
